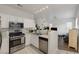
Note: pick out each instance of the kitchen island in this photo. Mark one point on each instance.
(49, 43)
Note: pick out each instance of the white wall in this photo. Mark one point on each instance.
(58, 16)
(77, 16)
(62, 25)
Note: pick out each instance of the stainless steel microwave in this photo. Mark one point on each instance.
(13, 25)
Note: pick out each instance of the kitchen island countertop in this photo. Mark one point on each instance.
(44, 36)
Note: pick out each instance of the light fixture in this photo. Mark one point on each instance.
(37, 11)
(41, 9)
(19, 5)
(46, 6)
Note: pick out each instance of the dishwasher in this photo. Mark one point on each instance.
(0, 34)
(0, 40)
(43, 44)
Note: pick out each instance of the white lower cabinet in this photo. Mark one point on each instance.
(32, 39)
(35, 40)
(27, 37)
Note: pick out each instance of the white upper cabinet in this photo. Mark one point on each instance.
(4, 21)
(29, 23)
(20, 19)
(16, 19)
(12, 18)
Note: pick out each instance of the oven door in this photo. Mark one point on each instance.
(14, 43)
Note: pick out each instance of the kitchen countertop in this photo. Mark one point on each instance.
(45, 36)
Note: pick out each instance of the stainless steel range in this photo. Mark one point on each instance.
(16, 37)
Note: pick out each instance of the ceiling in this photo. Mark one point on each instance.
(32, 8)
(59, 10)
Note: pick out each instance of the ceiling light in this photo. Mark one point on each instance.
(37, 12)
(40, 10)
(19, 5)
(43, 8)
(46, 6)
(34, 8)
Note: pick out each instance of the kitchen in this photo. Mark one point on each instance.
(28, 27)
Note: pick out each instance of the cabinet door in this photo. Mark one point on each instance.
(20, 19)
(27, 37)
(29, 23)
(4, 21)
(35, 40)
(32, 23)
(12, 18)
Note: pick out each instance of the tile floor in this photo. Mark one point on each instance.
(33, 50)
(29, 50)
